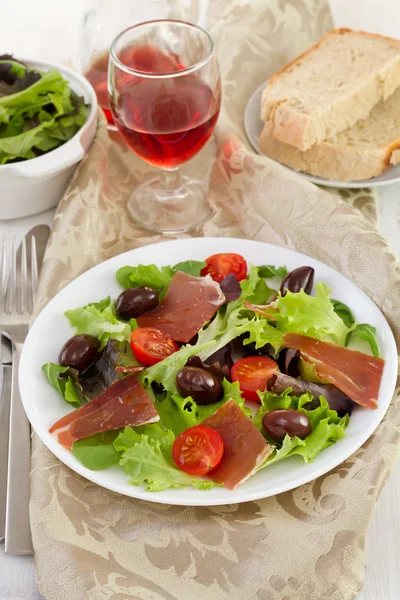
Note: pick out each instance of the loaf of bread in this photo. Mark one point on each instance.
(330, 87)
(365, 150)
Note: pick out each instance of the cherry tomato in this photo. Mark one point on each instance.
(198, 450)
(150, 345)
(252, 373)
(221, 265)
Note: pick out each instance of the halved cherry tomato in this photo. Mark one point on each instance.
(253, 373)
(221, 265)
(198, 450)
(150, 345)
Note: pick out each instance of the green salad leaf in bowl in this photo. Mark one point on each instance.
(38, 111)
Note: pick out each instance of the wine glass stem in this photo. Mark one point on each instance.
(170, 182)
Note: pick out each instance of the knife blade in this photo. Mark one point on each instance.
(4, 426)
(5, 391)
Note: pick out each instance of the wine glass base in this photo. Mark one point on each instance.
(170, 212)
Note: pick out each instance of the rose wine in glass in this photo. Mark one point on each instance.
(103, 20)
(144, 58)
(97, 75)
(165, 96)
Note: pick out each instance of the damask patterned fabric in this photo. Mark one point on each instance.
(307, 544)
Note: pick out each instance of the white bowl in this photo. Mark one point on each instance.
(31, 186)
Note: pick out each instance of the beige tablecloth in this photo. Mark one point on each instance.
(307, 544)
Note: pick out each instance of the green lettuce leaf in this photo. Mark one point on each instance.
(308, 372)
(231, 392)
(101, 305)
(326, 426)
(261, 293)
(145, 275)
(130, 436)
(40, 114)
(363, 331)
(191, 267)
(99, 322)
(147, 459)
(71, 394)
(65, 385)
(368, 334)
(323, 436)
(269, 271)
(97, 452)
(233, 320)
(177, 413)
(155, 277)
(165, 371)
(310, 315)
(343, 311)
(52, 81)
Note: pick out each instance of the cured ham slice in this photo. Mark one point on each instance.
(245, 449)
(357, 374)
(187, 305)
(124, 403)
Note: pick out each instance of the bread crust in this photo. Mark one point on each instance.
(331, 161)
(333, 32)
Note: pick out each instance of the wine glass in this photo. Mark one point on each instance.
(165, 96)
(103, 20)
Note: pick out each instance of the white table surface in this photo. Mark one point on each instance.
(44, 23)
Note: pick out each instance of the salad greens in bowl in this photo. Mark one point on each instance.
(38, 110)
(48, 119)
(184, 376)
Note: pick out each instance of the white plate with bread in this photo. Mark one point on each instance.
(333, 113)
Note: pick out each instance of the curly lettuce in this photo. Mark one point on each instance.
(326, 426)
(233, 320)
(98, 319)
(155, 277)
(314, 316)
(147, 459)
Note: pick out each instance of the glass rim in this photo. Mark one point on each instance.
(167, 74)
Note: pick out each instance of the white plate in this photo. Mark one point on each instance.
(253, 126)
(51, 329)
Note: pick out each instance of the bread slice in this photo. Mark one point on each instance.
(365, 150)
(330, 87)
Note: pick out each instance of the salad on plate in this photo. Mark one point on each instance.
(203, 373)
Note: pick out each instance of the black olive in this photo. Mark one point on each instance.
(134, 302)
(79, 352)
(303, 277)
(203, 386)
(280, 422)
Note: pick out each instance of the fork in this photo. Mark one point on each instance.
(16, 307)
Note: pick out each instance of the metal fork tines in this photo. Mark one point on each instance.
(19, 283)
(19, 276)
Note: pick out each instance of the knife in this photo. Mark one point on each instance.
(5, 393)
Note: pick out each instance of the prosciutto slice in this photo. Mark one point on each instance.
(357, 374)
(187, 305)
(125, 402)
(245, 449)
